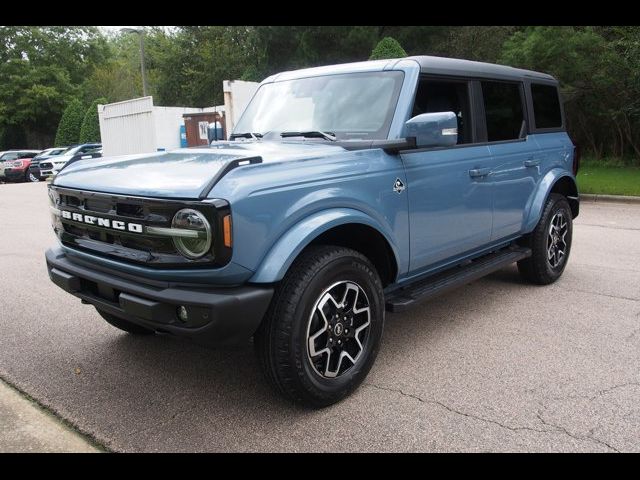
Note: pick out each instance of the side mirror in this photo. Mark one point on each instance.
(433, 129)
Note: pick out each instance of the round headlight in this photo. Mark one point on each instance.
(197, 245)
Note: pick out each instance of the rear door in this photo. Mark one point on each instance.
(515, 169)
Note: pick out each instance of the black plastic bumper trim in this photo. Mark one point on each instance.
(217, 315)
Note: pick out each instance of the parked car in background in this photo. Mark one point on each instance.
(55, 164)
(97, 153)
(14, 164)
(34, 167)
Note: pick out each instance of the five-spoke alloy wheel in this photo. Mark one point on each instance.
(557, 239)
(338, 328)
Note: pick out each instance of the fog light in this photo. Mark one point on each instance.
(183, 315)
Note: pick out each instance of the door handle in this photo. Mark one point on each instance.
(479, 172)
(531, 162)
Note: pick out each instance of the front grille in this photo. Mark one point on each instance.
(46, 165)
(124, 245)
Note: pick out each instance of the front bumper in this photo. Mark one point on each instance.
(217, 315)
(14, 173)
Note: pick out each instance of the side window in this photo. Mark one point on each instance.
(446, 96)
(504, 111)
(546, 106)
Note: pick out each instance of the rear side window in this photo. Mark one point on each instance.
(504, 111)
(546, 106)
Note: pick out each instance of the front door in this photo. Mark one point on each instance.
(449, 190)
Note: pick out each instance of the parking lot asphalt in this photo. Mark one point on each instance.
(498, 365)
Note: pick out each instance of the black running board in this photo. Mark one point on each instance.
(442, 282)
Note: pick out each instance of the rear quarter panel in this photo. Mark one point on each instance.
(556, 155)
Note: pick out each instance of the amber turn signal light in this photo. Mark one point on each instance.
(226, 222)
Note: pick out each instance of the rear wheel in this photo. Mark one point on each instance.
(322, 331)
(550, 243)
(125, 325)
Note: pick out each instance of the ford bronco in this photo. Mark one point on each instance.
(344, 192)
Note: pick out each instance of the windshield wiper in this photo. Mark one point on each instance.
(245, 135)
(311, 134)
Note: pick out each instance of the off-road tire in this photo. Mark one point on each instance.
(538, 268)
(125, 325)
(281, 342)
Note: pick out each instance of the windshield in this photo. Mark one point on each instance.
(351, 105)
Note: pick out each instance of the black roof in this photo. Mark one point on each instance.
(468, 68)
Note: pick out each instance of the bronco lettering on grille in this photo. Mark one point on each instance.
(102, 222)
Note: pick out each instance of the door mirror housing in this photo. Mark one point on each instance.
(433, 129)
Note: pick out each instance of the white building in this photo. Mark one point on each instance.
(138, 126)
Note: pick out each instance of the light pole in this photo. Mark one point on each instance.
(140, 33)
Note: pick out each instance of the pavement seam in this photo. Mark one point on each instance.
(164, 422)
(555, 428)
(614, 227)
(599, 293)
(90, 438)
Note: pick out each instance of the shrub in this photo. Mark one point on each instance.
(388, 47)
(69, 127)
(90, 130)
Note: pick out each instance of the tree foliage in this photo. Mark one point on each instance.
(69, 128)
(90, 129)
(43, 68)
(388, 47)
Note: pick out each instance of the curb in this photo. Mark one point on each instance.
(588, 197)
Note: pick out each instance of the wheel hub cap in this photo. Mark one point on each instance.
(338, 329)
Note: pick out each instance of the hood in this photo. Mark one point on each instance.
(182, 173)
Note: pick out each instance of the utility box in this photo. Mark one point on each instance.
(203, 127)
(138, 126)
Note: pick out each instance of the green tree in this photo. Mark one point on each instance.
(90, 129)
(388, 47)
(596, 80)
(41, 69)
(69, 128)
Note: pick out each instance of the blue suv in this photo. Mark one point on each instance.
(344, 192)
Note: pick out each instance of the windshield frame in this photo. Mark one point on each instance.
(381, 134)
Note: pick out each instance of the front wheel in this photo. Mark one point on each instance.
(550, 243)
(322, 331)
(30, 177)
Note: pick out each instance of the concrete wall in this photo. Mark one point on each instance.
(237, 94)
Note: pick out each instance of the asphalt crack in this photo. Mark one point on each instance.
(553, 428)
(575, 290)
(614, 227)
(559, 428)
(599, 393)
(458, 412)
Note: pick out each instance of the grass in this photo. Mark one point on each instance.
(608, 179)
